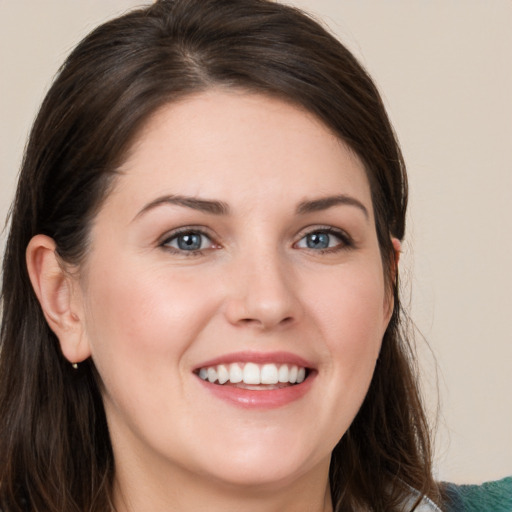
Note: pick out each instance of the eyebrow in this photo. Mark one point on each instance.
(325, 203)
(220, 208)
(202, 205)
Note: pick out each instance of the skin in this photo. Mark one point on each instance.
(149, 313)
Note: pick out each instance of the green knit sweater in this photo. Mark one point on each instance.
(488, 497)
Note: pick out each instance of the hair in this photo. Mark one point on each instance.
(55, 451)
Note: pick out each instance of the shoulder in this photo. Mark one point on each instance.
(488, 497)
(425, 504)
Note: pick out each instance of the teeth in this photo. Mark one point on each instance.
(251, 374)
(254, 374)
(269, 374)
(212, 374)
(222, 374)
(235, 373)
(283, 373)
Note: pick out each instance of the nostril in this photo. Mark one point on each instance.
(257, 322)
(256, 310)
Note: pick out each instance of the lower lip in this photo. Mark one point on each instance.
(260, 399)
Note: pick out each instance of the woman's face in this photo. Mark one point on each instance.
(238, 244)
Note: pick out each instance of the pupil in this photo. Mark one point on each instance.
(318, 241)
(189, 242)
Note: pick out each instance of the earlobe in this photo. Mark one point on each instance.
(55, 290)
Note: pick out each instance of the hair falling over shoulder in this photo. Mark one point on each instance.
(55, 451)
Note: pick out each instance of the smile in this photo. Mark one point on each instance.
(254, 380)
(253, 375)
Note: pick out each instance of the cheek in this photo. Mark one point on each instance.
(141, 318)
(348, 310)
(352, 314)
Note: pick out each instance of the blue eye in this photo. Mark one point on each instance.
(323, 240)
(188, 241)
(318, 240)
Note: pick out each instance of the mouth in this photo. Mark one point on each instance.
(256, 380)
(254, 376)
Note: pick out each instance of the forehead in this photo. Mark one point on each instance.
(232, 144)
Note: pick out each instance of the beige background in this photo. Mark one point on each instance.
(445, 70)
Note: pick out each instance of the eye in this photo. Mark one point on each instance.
(188, 241)
(324, 239)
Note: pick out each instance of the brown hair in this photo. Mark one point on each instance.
(55, 452)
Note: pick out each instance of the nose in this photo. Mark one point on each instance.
(262, 293)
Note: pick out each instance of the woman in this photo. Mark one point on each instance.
(200, 301)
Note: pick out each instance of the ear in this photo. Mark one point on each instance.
(397, 248)
(57, 292)
(390, 301)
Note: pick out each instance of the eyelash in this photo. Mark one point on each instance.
(165, 244)
(346, 241)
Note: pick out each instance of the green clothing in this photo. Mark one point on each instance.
(488, 497)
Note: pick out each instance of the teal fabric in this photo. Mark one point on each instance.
(488, 497)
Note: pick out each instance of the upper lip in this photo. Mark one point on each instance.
(258, 358)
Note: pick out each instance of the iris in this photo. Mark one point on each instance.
(318, 240)
(189, 241)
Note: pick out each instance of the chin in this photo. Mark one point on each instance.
(268, 465)
(259, 476)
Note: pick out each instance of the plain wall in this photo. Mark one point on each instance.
(444, 68)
